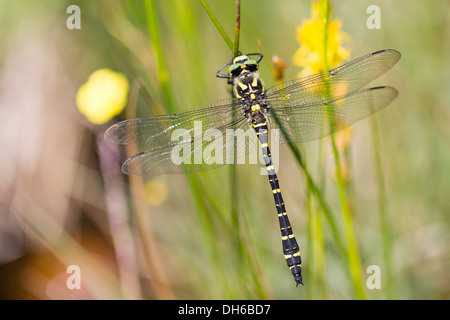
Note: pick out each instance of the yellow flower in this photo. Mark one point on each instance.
(310, 34)
(103, 96)
(310, 56)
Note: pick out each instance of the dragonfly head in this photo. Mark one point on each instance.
(242, 64)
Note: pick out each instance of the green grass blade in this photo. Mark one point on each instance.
(237, 29)
(219, 27)
(163, 74)
(391, 291)
(353, 258)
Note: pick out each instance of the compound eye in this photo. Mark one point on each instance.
(235, 69)
(251, 65)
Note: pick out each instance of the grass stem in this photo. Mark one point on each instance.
(353, 259)
(163, 74)
(237, 29)
(219, 27)
(384, 217)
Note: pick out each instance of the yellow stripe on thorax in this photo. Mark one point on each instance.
(256, 107)
(242, 85)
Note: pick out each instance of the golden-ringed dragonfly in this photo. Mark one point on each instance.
(303, 109)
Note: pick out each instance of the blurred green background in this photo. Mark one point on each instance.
(214, 235)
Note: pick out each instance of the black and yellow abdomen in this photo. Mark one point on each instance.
(249, 89)
(291, 250)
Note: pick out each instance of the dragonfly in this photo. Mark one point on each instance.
(304, 109)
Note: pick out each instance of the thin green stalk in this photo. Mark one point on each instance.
(238, 225)
(163, 74)
(316, 246)
(233, 177)
(237, 29)
(208, 233)
(352, 249)
(384, 217)
(218, 25)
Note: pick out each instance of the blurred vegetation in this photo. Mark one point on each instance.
(214, 235)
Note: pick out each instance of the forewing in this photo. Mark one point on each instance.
(159, 131)
(311, 122)
(334, 84)
(192, 141)
(213, 151)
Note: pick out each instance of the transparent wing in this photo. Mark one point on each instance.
(302, 107)
(311, 122)
(214, 150)
(158, 131)
(336, 83)
(186, 142)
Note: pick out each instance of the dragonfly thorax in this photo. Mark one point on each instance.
(247, 83)
(249, 89)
